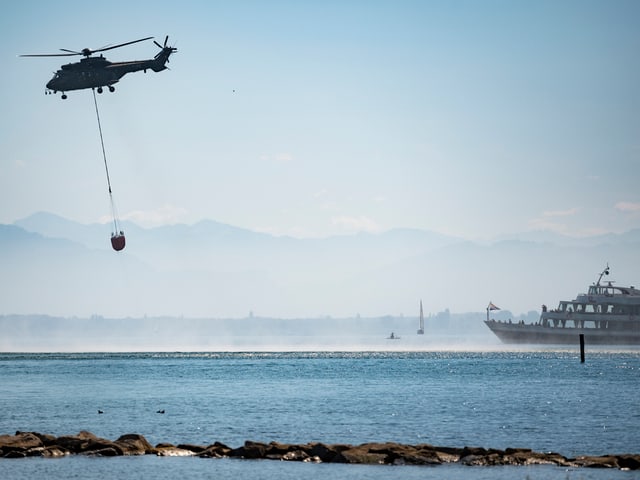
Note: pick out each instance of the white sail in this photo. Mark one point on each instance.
(421, 329)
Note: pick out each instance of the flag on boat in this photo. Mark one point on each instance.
(492, 307)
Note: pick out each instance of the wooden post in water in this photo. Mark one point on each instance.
(582, 348)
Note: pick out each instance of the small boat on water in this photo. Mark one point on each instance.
(607, 315)
(393, 336)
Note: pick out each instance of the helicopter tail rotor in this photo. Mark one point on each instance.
(165, 51)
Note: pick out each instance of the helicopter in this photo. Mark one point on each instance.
(98, 72)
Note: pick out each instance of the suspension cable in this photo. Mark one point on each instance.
(106, 168)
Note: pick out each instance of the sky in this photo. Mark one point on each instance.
(311, 119)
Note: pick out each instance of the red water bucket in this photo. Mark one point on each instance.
(118, 241)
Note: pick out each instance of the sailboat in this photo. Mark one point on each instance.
(421, 329)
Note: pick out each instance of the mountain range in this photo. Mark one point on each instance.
(54, 266)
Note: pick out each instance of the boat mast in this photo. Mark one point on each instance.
(604, 272)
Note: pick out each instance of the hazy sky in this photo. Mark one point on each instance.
(472, 118)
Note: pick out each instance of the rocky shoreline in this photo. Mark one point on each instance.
(33, 444)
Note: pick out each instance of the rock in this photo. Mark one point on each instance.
(174, 452)
(15, 454)
(296, 456)
(326, 453)
(35, 452)
(217, 450)
(191, 448)
(134, 444)
(623, 462)
(447, 454)
(287, 452)
(85, 442)
(45, 438)
(71, 443)
(182, 450)
(473, 460)
(513, 451)
(473, 451)
(105, 452)
(629, 462)
(253, 450)
(19, 444)
(605, 461)
(323, 452)
(399, 454)
(359, 454)
(528, 457)
(514, 457)
(276, 449)
(164, 445)
(54, 452)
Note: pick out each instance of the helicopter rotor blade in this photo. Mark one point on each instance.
(86, 51)
(165, 41)
(104, 46)
(52, 55)
(104, 49)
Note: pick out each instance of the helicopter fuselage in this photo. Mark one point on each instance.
(98, 72)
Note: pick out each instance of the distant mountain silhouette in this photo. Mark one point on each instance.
(631, 236)
(58, 267)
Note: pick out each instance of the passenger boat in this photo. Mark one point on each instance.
(607, 315)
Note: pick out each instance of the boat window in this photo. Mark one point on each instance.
(589, 309)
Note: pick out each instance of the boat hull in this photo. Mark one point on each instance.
(517, 333)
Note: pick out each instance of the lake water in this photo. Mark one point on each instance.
(544, 400)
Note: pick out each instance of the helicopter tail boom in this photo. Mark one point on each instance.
(158, 66)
